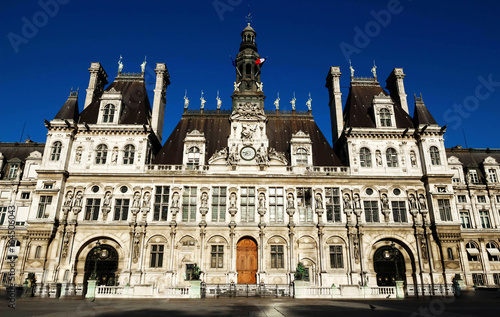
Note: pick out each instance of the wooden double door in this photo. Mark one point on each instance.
(246, 261)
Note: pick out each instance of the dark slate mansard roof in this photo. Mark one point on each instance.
(216, 127)
(20, 151)
(472, 159)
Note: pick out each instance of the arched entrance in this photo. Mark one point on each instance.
(101, 264)
(389, 265)
(246, 261)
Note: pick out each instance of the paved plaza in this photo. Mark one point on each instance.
(484, 303)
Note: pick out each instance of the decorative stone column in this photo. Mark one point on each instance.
(262, 209)
(290, 210)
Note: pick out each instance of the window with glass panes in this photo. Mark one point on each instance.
(336, 257)
(496, 278)
(462, 199)
(121, 209)
(55, 153)
(157, 255)
(492, 249)
(464, 216)
(481, 199)
(472, 251)
(385, 118)
(3, 215)
(332, 203)
(247, 204)
(42, 206)
(371, 210)
(399, 211)
(217, 256)
(473, 176)
(485, 219)
(277, 257)
(162, 196)
(391, 157)
(435, 159)
(304, 204)
(365, 157)
(92, 208)
(128, 154)
(13, 170)
(444, 209)
(276, 209)
(478, 278)
(189, 204)
(493, 175)
(219, 198)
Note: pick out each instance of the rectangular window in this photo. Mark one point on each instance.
(25, 195)
(161, 203)
(496, 278)
(493, 175)
(48, 185)
(444, 209)
(498, 199)
(92, 208)
(42, 206)
(219, 201)
(399, 211)
(462, 198)
(121, 209)
(371, 211)
(277, 257)
(276, 209)
(332, 202)
(464, 216)
(336, 257)
(217, 256)
(478, 279)
(3, 215)
(473, 176)
(189, 271)
(485, 219)
(13, 170)
(189, 204)
(157, 255)
(481, 199)
(247, 204)
(304, 203)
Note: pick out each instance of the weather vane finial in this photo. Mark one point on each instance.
(249, 16)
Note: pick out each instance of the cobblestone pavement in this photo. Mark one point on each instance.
(484, 303)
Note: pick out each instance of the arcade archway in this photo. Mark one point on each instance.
(389, 265)
(101, 264)
(246, 261)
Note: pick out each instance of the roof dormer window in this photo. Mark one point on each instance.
(109, 113)
(385, 118)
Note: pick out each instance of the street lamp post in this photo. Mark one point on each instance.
(394, 252)
(97, 255)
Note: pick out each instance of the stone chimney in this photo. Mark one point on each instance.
(333, 85)
(98, 79)
(397, 88)
(162, 81)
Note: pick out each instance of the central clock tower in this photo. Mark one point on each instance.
(248, 143)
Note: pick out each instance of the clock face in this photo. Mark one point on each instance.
(247, 153)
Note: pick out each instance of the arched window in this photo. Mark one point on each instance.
(38, 252)
(248, 71)
(392, 157)
(365, 157)
(435, 160)
(385, 118)
(55, 151)
(450, 254)
(472, 251)
(193, 159)
(128, 154)
(493, 253)
(101, 154)
(301, 156)
(109, 113)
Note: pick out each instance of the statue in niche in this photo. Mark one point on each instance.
(290, 204)
(114, 155)
(232, 200)
(107, 199)
(319, 201)
(413, 159)
(421, 201)
(69, 199)
(137, 240)
(378, 158)
(146, 199)
(356, 248)
(78, 155)
(347, 201)
(136, 203)
(262, 201)
(204, 200)
(357, 201)
(175, 200)
(78, 199)
(385, 202)
(413, 202)
(423, 246)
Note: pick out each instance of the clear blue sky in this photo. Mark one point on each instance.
(449, 52)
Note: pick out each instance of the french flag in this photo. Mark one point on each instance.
(260, 61)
